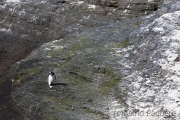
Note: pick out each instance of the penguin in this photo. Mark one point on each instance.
(51, 78)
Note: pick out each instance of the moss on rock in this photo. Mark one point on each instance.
(18, 77)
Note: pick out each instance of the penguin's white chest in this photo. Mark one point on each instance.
(50, 78)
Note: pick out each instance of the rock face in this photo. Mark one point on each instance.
(110, 62)
(86, 87)
(115, 71)
(153, 82)
(25, 25)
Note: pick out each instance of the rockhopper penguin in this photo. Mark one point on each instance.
(51, 78)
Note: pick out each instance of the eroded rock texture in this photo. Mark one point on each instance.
(110, 59)
(27, 24)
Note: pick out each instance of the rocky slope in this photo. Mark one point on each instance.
(107, 67)
(87, 76)
(25, 25)
(154, 82)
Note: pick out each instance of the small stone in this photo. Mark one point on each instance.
(73, 109)
(90, 100)
(150, 99)
(84, 107)
(177, 59)
(105, 117)
(137, 86)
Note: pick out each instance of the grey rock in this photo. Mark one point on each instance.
(91, 38)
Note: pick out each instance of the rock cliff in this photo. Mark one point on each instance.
(25, 25)
(111, 62)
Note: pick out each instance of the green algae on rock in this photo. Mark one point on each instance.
(18, 77)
